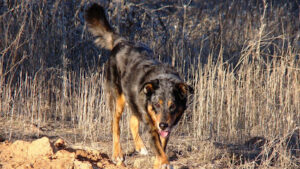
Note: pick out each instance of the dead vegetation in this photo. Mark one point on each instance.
(263, 152)
(241, 56)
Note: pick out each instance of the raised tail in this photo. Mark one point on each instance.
(100, 28)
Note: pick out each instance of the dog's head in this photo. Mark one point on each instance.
(166, 102)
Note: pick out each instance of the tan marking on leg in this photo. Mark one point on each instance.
(134, 127)
(161, 157)
(164, 142)
(117, 152)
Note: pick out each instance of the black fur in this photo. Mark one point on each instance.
(132, 71)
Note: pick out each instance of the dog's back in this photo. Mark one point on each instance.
(130, 65)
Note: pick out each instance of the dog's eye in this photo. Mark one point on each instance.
(172, 107)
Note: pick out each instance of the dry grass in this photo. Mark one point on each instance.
(241, 57)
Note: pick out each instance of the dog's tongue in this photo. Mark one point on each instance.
(164, 133)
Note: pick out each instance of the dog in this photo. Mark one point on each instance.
(155, 92)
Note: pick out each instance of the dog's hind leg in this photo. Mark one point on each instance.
(134, 127)
(117, 156)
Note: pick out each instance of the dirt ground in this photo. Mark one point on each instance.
(62, 147)
(41, 153)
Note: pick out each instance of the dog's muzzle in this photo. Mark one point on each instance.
(164, 129)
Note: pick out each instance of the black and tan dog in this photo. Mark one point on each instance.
(155, 92)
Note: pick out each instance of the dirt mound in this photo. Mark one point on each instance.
(43, 154)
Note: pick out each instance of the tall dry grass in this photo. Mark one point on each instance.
(241, 57)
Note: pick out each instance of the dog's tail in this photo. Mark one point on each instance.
(100, 28)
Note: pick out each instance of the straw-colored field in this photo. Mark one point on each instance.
(241, 57)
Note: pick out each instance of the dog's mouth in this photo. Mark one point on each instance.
(164, 133)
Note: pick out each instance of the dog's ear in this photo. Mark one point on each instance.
(149, 87)
(183, 90)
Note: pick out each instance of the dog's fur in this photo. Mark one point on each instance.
(155, 92)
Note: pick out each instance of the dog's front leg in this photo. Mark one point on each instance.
(164, 142)
(161, 160)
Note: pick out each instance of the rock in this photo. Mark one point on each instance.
(82, 165)
(40, 147)
(60, 144)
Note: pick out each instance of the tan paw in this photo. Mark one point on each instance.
(166, 166)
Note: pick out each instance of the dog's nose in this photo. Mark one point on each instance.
(163, 125)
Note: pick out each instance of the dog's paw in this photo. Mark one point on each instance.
(143, 151)
(166, 166)
(118, 160)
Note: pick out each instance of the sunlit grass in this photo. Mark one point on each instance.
(242, 61)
